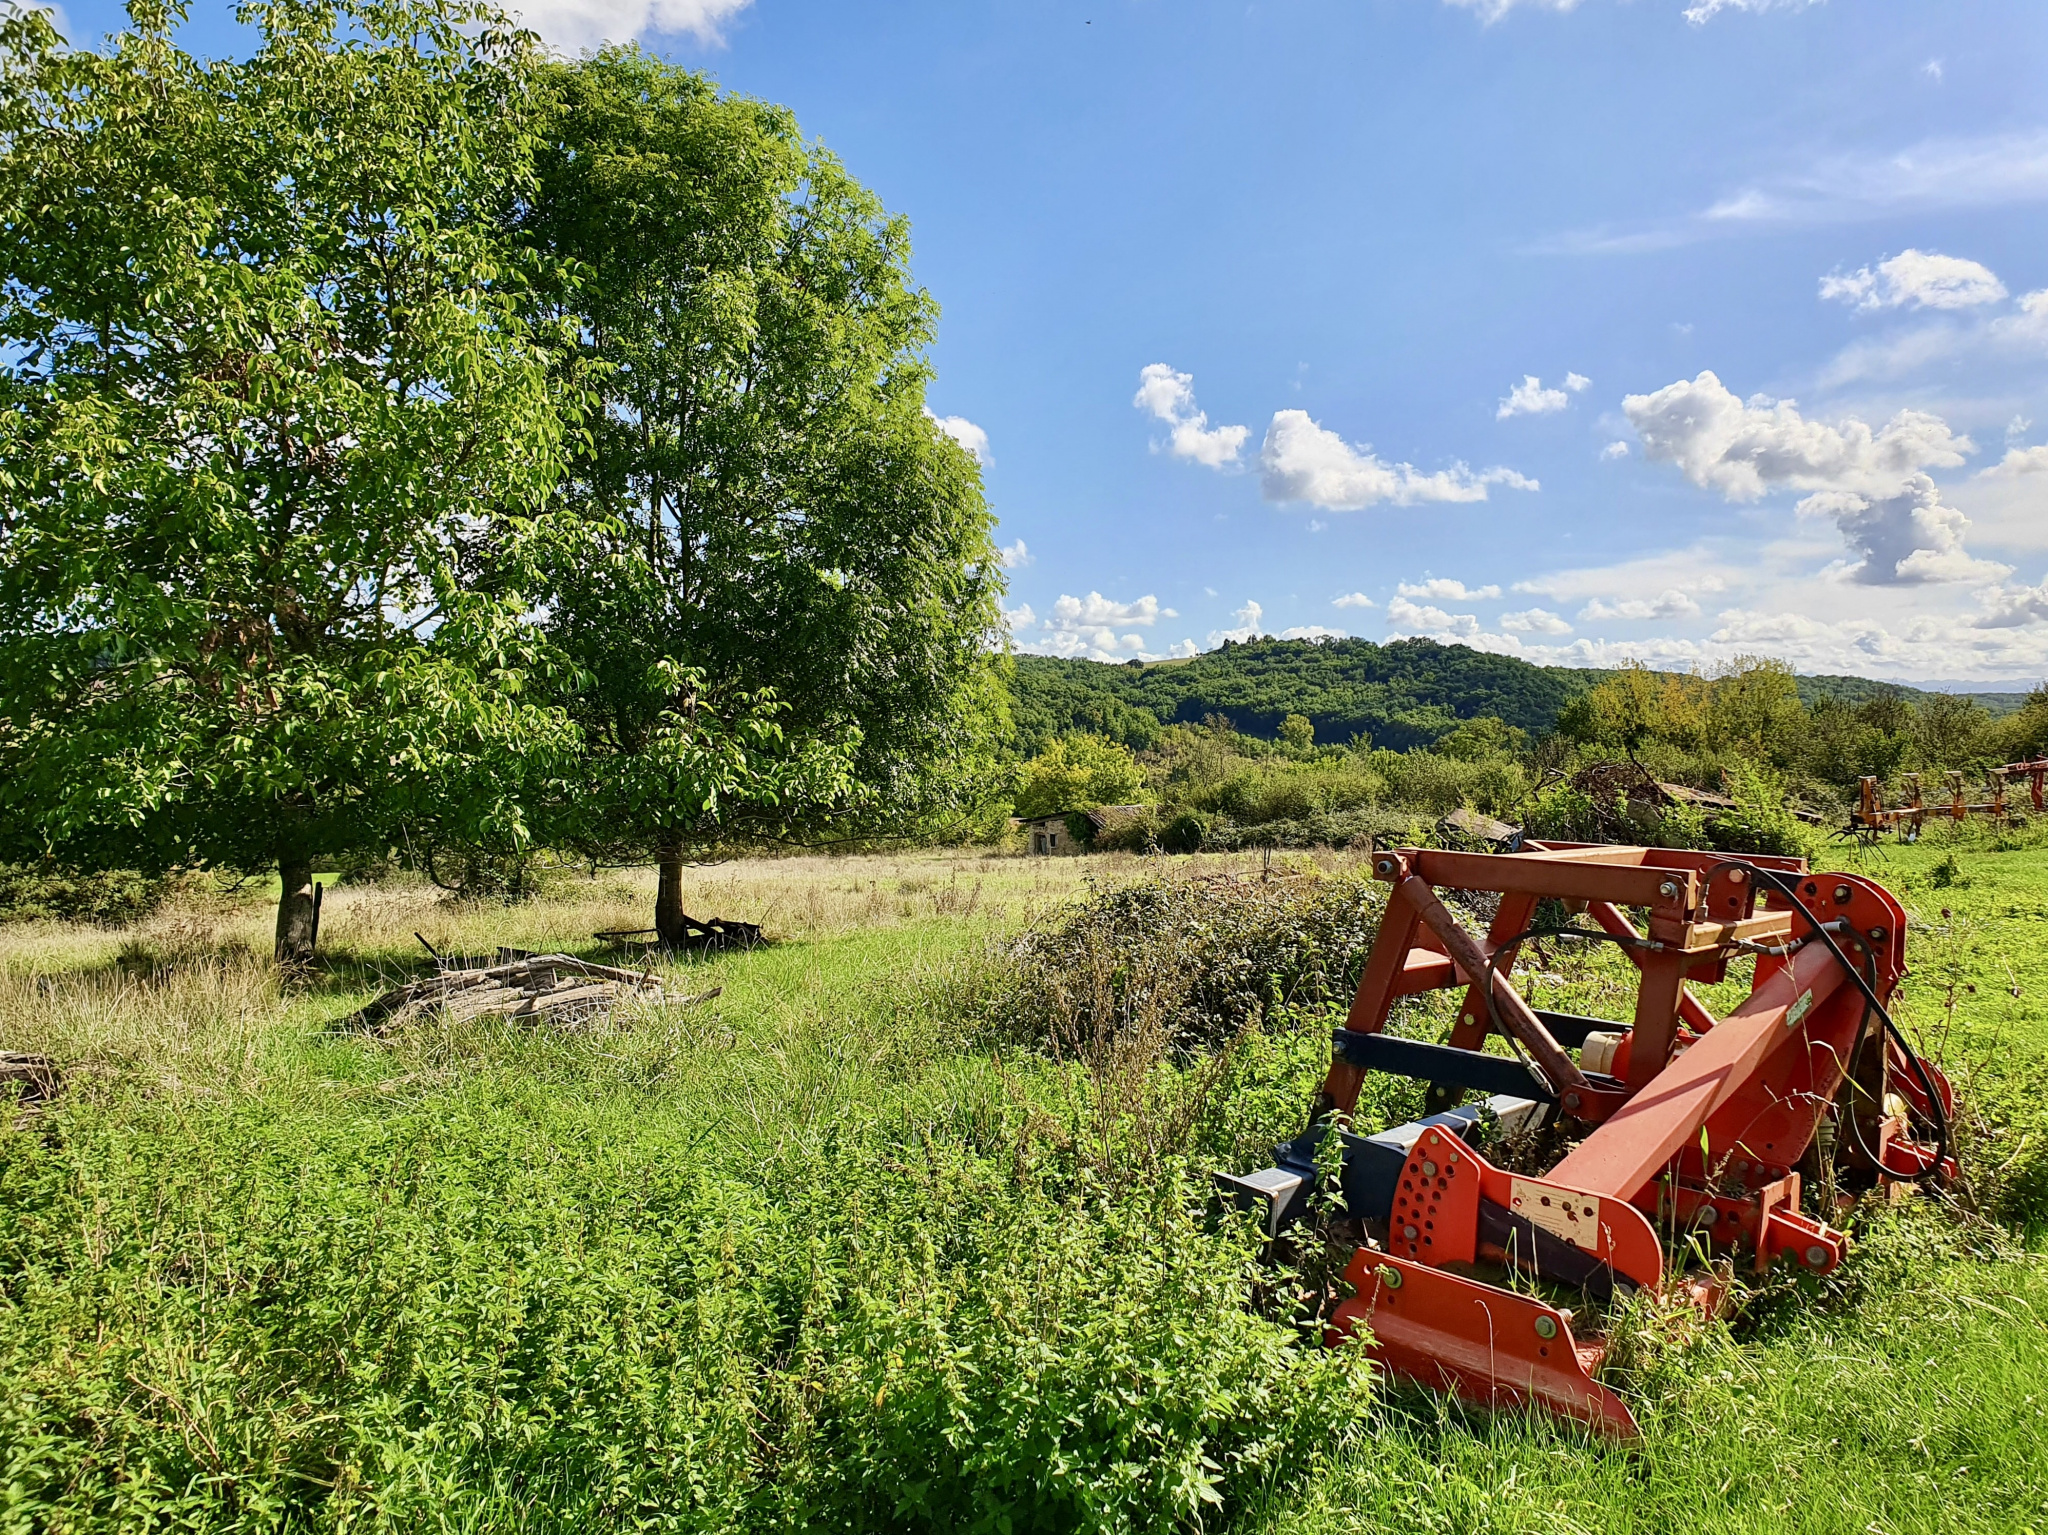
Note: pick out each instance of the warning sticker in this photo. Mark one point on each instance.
(1575, 1218)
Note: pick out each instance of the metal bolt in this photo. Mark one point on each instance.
(1877, 935)
(1429, 1169)
(1709, 1215)
(1816, 1257)
(1384, 866)
(1842, 894)
(1669, 889)
(1390, 1276)
(1571, 1101)
(1410, 1233)
(1546, 1327)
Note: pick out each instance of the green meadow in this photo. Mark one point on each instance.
(850, 1247)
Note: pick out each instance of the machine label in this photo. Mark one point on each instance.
(1575, 1218)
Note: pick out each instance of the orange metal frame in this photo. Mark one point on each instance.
(1694, 1137)
(1873, 817)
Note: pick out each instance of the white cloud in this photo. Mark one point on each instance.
(1991, 170)
(1670, 604)
(1015, 556)
(1247, 628)
(1442, 589)
(1170, 397)
(2030, 326)
(1405, 617)
(1534, 621)
(1313, 632)
(1088, 626)
(1614, 450)
(1354, 600)
(1919, 279)
(1300, 461)
(1530, 398)
(1704, 11)
(1577, 383)
(1491, 11)
(2017, 462)
(1021, 617)
(1870, 482)
(1904, 538)
(2010, 607)
(1184, 648)
(1932, 70)
(573, 25)
(964, 432)
(1744, 449)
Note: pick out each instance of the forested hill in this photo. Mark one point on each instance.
(1402, 694)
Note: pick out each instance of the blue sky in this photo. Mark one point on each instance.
(1661, 328)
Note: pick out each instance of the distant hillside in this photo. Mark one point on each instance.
(1853, 690)
(1402, 694)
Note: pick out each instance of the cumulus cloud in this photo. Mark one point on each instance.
(1088, 626)
(1442, 589)
(1668, 605)
(2017, 463)
(1906, 538)
(1313, 632)
(1015, 556)
(1534, 621)
(1872, 483)
(2009, 607)
(1530, 398)
(1916, 279)
(1247, 628)
(964, 432)
(1021, 617)
(573, 25)
(1613, 451)
(1354, 600)
(1170, 397)
(1300, 461)
(1577, 383)
(1405, 617)
(2028, 328)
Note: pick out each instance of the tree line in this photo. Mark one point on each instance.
(414, 439)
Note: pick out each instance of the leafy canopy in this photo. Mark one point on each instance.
(1079, 772)
(270, 402)
(768, 526)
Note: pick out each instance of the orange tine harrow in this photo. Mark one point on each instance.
(1690, 1131)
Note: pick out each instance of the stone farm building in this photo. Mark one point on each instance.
(1052, 834)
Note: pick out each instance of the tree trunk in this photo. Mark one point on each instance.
(297, 909)
(668, 897)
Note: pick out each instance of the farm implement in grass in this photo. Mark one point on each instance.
(1872, 817)
(1646, 1154)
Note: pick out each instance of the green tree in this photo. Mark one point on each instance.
(767, 514)
(1079, 772)
(268, 400)
(1952, 729)
(1298, 733)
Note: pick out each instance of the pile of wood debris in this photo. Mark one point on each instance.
(29, 1081)
(558, 989)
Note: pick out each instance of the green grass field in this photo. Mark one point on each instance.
(831, 1252)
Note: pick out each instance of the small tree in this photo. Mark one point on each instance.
(1079, 772)
(767, 516)
(267, 404)
(1298, 733)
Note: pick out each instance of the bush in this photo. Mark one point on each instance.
(1198, 961)
(1760, 821)
(1078, 773)
(47, 894)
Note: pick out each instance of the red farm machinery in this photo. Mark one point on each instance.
(1666, 1146)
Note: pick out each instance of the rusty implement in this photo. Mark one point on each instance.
(1872, 817)
(1642, 1153)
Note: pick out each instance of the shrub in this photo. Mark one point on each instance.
(1198, 960)
(48, 894)
(1760, 821)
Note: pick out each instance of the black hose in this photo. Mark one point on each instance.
(1940, 1115)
